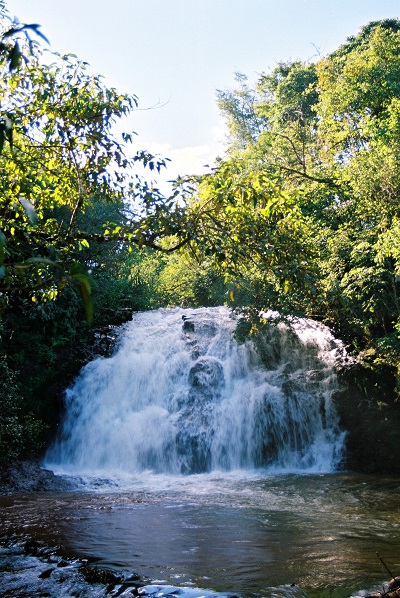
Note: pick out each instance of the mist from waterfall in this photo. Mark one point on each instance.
(181, 396)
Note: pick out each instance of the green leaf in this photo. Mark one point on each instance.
(35, 28)
(15, 57)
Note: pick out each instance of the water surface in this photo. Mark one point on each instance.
(253, 534)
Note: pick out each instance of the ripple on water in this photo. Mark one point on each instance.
(253, 534)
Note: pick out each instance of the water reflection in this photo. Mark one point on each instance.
(254, 536)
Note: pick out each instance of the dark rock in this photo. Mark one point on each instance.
(207, 374)
(394, 584)
(28, 476)
(45, 574)
(188, 326)
(24, 573)
(368, 411)
(97, 575)
(36, 548)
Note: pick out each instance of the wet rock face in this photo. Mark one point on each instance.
(196, 419)
(206, 377)
(28, 476)
(188, 326)
(30, 568)
(368, 409)
(193, 447)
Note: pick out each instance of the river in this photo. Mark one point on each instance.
(251, 534)
(203, 462)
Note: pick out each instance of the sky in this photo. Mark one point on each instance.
(175, 54)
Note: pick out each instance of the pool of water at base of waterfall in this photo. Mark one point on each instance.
(251, 534)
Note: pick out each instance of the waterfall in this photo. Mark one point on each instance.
(180, 395)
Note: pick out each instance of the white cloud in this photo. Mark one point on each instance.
(193, 159)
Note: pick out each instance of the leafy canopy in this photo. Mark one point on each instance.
(305, 208)
(61, 159)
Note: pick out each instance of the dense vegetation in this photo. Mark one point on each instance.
(312, 183)
(301, 215)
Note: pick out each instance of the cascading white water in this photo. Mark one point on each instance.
(180, 395)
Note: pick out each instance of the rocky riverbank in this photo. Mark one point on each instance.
(30, 568)
(28, 476)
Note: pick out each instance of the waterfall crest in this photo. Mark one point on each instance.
(180, 395)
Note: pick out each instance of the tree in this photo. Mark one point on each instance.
(73, 215)
(329, 144)
(238, 107)
(63, 159)
(254, 233)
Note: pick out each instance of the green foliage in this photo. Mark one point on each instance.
(290, 92)
(59, 157)
(72, 215)
(63, 161)
(20, 431)
(184, 281)
(305, 209)
(239, 109)
(254, 234)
